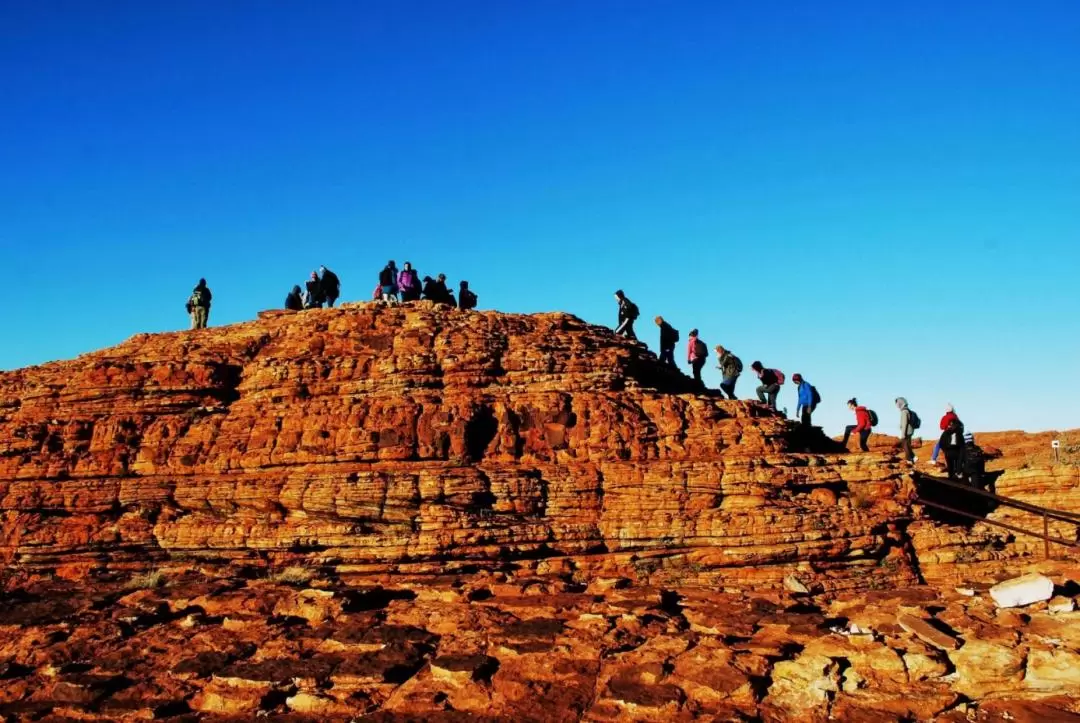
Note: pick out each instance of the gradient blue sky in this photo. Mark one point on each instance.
(883, 196)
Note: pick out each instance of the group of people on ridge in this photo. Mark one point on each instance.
(959, 448)
(402, 286)
(323, 287)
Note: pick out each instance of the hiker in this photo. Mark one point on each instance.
(329, 285)
(294, 302)
(808, 399)
(431, 290)
(628, 314)
(442, 294)
(946, 419)
(409, 283)
(909, 422)
(696, 354)
(313, 299)
(388, 282)
(952, 442)
(669, 337)
(198, 305)
(771, 381)
(730, 367)
(865, 420)
(973, 462)
(466, 298)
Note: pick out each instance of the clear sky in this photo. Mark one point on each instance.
(884, 196)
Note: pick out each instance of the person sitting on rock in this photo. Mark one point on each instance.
(431, 289)
(864, 423)
(314, 297)
(807, 401)
(628, 314)
(771, 381)
(409, 283)
(466, 298)
(198, 305)
(442, 294)
(388, 282)
(730, 368)
(330, 285)
(696, 354)
(294, 301)
(669, 337)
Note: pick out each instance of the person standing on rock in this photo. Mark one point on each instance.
(909, 422)
(330, 285)
(388, 283)
(808, 399)
(409, 283)
(946, 420)
(628, 314)
(669, 338)
(313, 299)
(771, 381)
(443, 295)
(730, 367)
(696, 354)
(864, 423)
(466, 298)
(294, 301)
(198, 305)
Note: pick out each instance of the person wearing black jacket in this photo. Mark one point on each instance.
(314, 292)
(770, 384)
(293, 302)
(330, 285)
(628, 314)
(669, 337)
(952, 444)
(466, 298)
(198, 305)
(431, 289)
(388, 282)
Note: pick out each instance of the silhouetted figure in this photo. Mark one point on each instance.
(669, 338)
(952, 443)
(294, 301)
(628, 314)
(330, 285)
(431, 289)
(808, 399)
(313, 298)
(388, 283)
(696, 354)
(864, 423)
(198, 305)
(771, 381)
(466, 298)
(409, 283)
(730, 367)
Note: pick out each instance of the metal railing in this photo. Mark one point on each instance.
(1046, 513)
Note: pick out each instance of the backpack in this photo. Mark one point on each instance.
(632, 312)
(780, 378)
(675, 333)
(468, 299)
(913, 419)
(738, 364)
(873, 417)
(700, 350)
(198, 298)
(815, 398)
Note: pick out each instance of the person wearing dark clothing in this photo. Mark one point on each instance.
(946, 420)
(628, 314)
(807, 402)
(330, 285)
(696, 354)
(466, 298)
(314, 299)
(443, 295)
(730, 368)
(952, 443)
(431, 289)
(770, 384)
(669, 337)
(863, 425)
(388, 282)
(198, 305)
(409, 283)
(293, 302)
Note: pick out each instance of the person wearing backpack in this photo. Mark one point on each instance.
(314, 297)
(329, 285)
(198, 305)
(294, 301)
(669, 338)
(628, 314)
(466, 298)
(730, 367)
(808, 399)
(696, 354)
(388, 282)
(909, 422)
(865, 420)
(771, 381)
(409, 283)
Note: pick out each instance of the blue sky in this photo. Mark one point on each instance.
(882, 196)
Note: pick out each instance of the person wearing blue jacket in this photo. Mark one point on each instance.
(807, 402)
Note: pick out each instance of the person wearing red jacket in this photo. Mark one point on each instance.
(950, 416)
(863, 424)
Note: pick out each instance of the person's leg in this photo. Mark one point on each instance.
(774, 391)
(905, 447)
(698, 364)
(203, 315)
(330, 301)
(728, 386)
(847, 433)
(621, 328)
(630, 330)
(937, 449)
(194, 314)
(806, 413)
(863, 437)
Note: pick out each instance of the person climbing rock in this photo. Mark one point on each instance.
(409, 283)
(198, 305)
(807, 401)
(730, 367)
(669, 338)
(628, 314)
(696, 354)
(946, 419)
(294, 301)
(909, 422)
(864, 424)
(388, 282)
(771, 381)
(952, 443)
(313, 299)
(466, 298)
(330, 285)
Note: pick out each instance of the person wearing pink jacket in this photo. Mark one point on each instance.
(696, 353)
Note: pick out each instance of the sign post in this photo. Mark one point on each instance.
(1056, 445)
